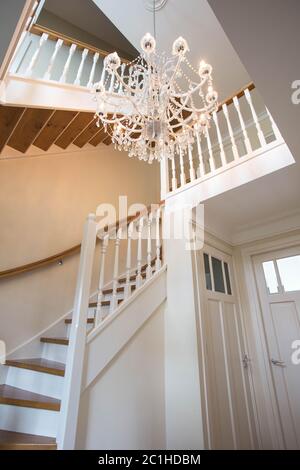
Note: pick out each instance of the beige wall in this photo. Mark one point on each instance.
(44, 200)
(124, 407)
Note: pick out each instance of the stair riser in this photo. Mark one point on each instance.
(37, 382)
(29, 420)
(55, 352)
(89, 327)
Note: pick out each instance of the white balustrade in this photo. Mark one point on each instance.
(210, 152)
(92, 74)
(63, 78)
(158, 242)
(36, 55)
(149, 247)
(232, 139)
(57, 48)
(260, 134)
(113, 302)
(201, 169)
(174, 179)
(191, 163)
(79, 73)
(182, 171)
(139, 278)
(127, 289)
(242, 123)
(99, 310)
(220, 142)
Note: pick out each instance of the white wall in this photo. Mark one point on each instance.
(124, 407)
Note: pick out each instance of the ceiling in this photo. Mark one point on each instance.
(192, 19)
(85, 15)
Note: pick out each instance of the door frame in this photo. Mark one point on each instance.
(270, 434)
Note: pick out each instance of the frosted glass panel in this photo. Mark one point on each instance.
(270, 276)
(289, 270)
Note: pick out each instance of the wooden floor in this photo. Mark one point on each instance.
(22, 127)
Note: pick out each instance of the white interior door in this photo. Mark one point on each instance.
(278, 282)
(226, 365)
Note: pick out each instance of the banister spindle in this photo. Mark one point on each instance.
(192, 171)
(201, 170)
(120, 90)
(79, 73)
(57, 48)
(182, 172)
(275, 129)
(232, 139)
(139, 253)
(260, 133)
(149, 246)
(220, 141)
(103, 250)
(127, 289)
(236, 103)
(35, 56)
(174, 179)
(157, 240)
(92, 74)
(67, 64)
(210, 152)
(113, 302)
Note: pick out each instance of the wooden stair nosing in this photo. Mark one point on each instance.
(17, 397)
(61, 341)
(38, 365)
(10, 440)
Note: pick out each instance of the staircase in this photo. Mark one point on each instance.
(30, 399)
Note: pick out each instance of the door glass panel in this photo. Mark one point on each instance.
(227, 278)
(289, 270)
(218, 275)
(207, 272)
(270, 276)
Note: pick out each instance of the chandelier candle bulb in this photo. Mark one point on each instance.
(154, 108)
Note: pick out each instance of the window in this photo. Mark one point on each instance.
(217, 276)
(270, 277)
(289, 271)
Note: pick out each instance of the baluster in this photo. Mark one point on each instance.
(113, 302)
(92, 74)
(275, 129)
(174, 179)
(158, 243)
(210, 152)
(236, 103)
(220, 141)
(67, 64)
(164, 177)
(104, 244)
(201, 170)
(139, 254)
(120, 90)
(149, 246)
(233, 144)
(58, 45)
(182, 173)
(192, 171)
(127, 290)
(260, 133)
(35, 56)
(79, 73)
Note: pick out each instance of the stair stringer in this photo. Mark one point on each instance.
(106, 340)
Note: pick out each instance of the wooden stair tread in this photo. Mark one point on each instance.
(19, 441)
(62, 341)
(18, 397)
(68, 321)
(38, 365)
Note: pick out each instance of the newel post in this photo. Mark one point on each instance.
(74, 366)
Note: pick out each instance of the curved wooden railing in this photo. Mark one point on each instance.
(59, 257)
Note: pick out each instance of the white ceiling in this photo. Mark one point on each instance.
(192, 19)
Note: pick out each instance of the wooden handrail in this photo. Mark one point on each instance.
(54, 35)
(237, 94)
(71, 251)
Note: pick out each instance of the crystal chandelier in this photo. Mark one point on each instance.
(144, 106)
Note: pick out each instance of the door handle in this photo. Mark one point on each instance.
(275, 362)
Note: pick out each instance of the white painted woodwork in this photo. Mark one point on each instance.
(149, 246)
(139, 278)
(29, 420)
(57, 48)
(92, 74)
(210, 152)
(182, 170)
(103, 250)
(281, 318)
(80, 70)
(232, 139)
(127, 289)
(36, 382)
(201, 170)
(260, 134)
(174, 179)
(113, 302)
(191, 163)
(220, 142)
(242, 123)
(157, 239)
(64, 75)
(229, 413)
(36, 55)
